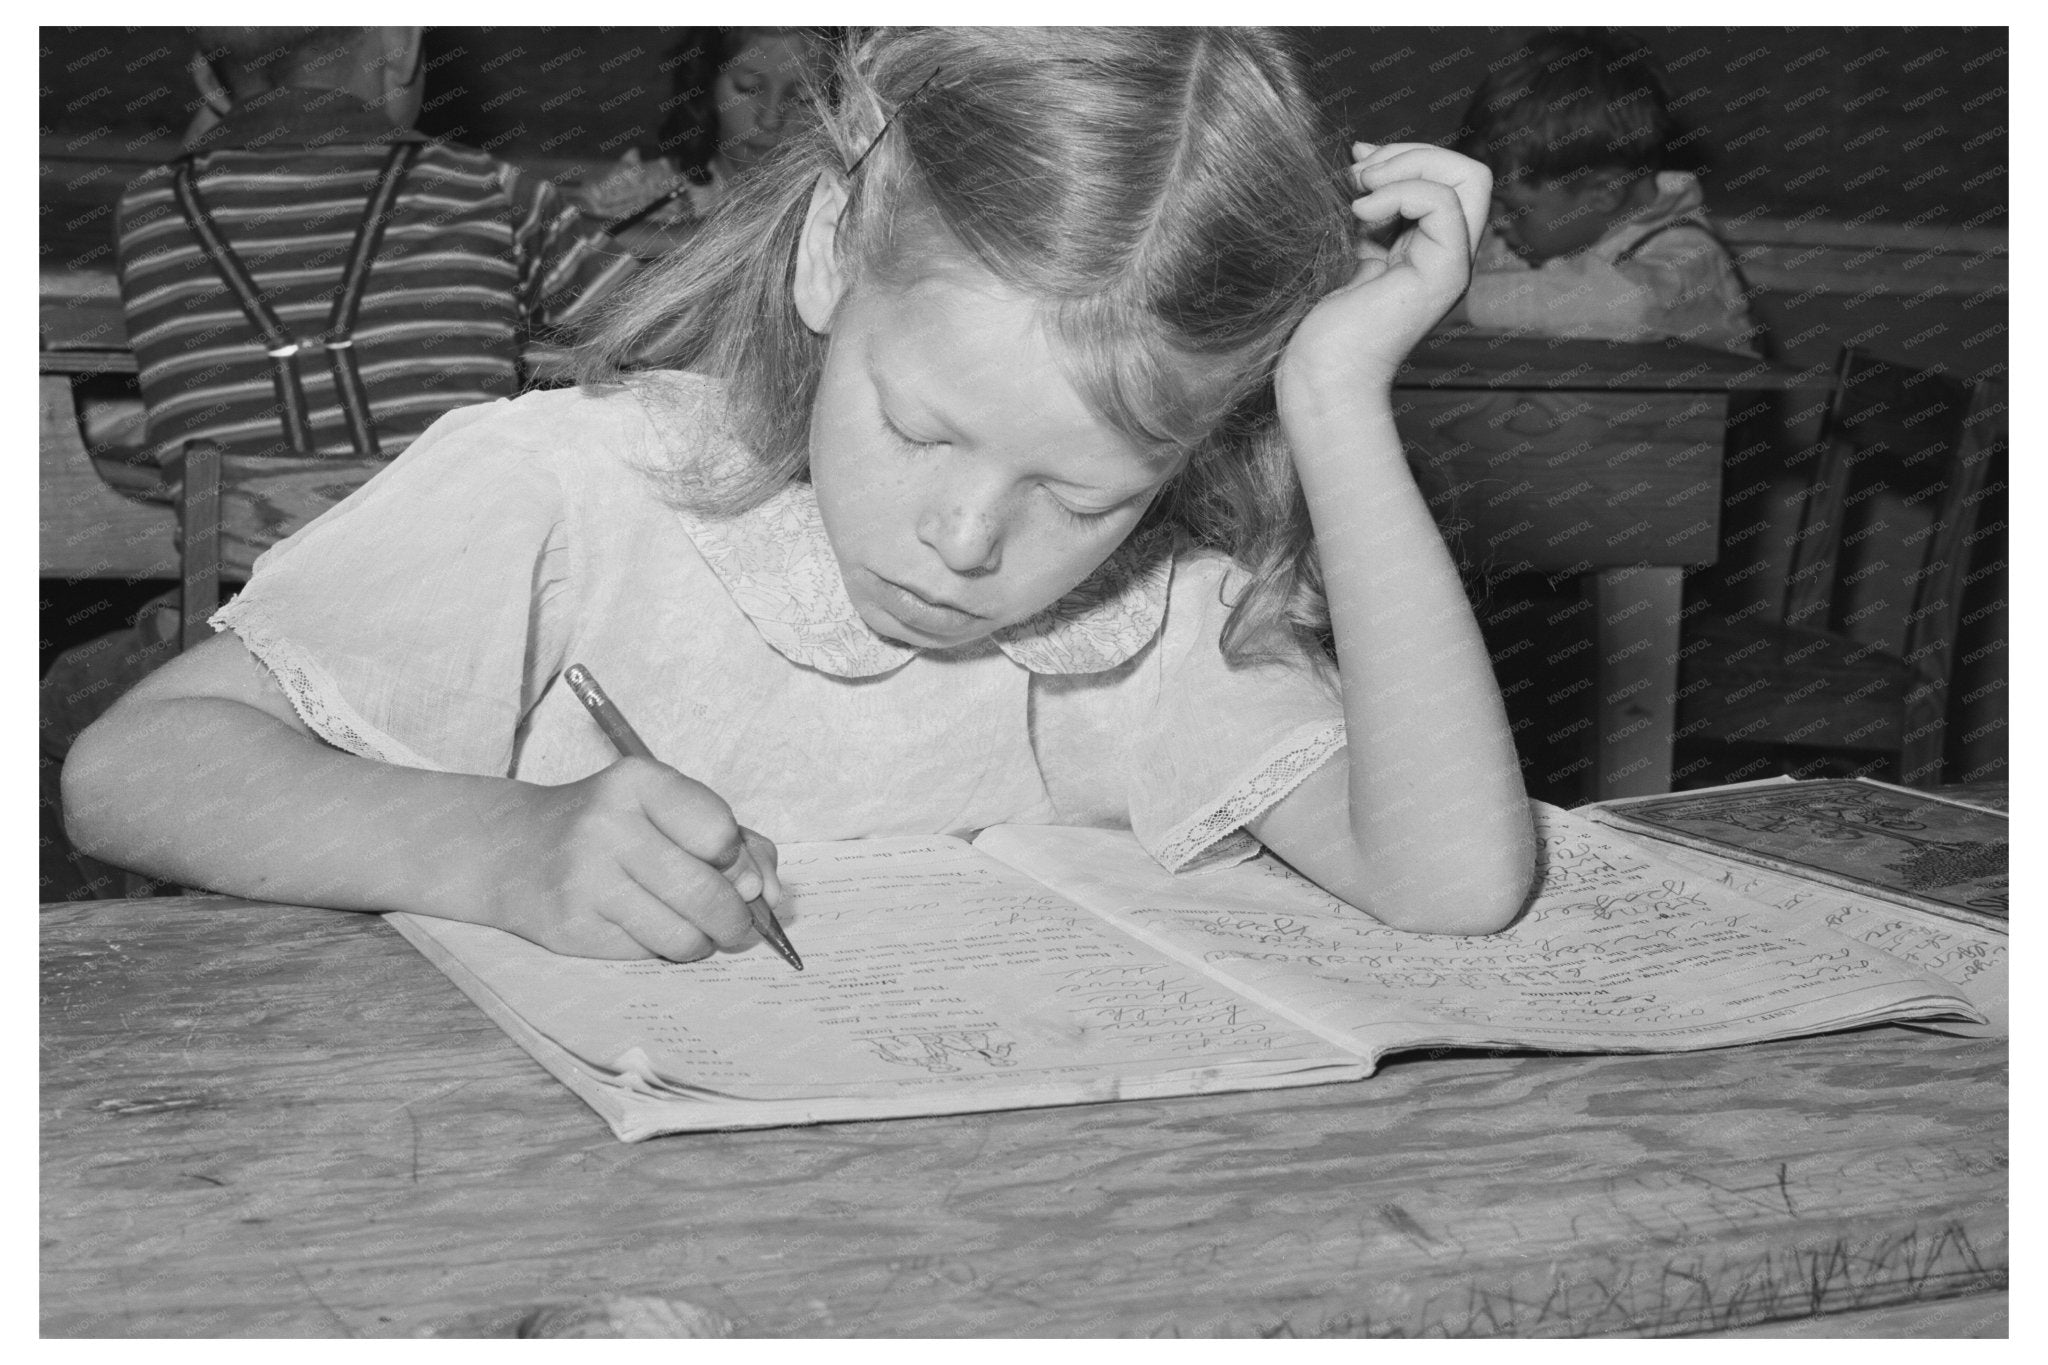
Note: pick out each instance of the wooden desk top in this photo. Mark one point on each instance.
(1461, 358)
(278, 1121)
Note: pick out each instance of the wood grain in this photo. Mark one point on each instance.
(87, 530)
(278, 1121)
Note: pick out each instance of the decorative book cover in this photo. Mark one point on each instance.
(1894, 844)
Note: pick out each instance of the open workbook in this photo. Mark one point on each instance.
(1921, 875)
(1048, 965)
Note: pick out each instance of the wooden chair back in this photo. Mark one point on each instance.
(199, 528)
(1920, 433)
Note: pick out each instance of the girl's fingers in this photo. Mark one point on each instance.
(762, 850)
(1438, 223)
(654, 928)
(689, 893)
(1471, 181)
(695, 819)
(594, 937)
(742, 868)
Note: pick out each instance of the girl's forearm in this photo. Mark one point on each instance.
(1436, 801)
(212, 793)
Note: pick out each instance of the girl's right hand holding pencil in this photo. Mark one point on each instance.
(635, 860)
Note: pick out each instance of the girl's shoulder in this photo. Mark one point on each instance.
(650, 421)
(595, 411)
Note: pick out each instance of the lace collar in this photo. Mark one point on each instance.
(778, 565)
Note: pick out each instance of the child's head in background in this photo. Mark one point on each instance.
(738, 86)
(232, 66)
(1575, 126)
(1036, 315)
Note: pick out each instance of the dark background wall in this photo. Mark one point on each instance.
(1900, 125)
(1879, 124)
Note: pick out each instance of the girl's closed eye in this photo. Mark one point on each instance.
(905, 438)
(1079, 515)
(1087, 515)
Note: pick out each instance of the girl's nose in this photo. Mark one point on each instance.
(770, 117)
(968, 540)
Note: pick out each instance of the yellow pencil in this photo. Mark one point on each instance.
(629, 743)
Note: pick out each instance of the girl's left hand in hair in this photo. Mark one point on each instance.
(1423, 208)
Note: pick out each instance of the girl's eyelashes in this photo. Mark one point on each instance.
(905, 438)
(1082, 518)
(1078, 516)
(1086, 518)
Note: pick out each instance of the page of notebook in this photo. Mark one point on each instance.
(1618, 950)
(1972, 959)
(929, 969)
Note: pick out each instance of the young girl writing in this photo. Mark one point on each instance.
(1036, 434)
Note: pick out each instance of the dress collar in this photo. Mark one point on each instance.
(778, 565)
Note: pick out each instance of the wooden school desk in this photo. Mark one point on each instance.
(1609, 466)
(275, 1121)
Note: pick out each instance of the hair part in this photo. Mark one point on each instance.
(1169, 198)
(1572, 102)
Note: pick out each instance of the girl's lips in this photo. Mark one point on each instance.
(914, 609)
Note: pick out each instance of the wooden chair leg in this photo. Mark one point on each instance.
(199, 519)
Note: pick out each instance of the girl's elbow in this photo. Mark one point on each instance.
(1482, 892)
(1474, 913)
(86, 788)
(1494, 905)
(97, 785)
(1507, 881)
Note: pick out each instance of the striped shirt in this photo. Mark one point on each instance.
(476, 258)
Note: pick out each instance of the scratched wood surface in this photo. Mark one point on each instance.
(276, 1121)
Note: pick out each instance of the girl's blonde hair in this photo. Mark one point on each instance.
(1166, 194)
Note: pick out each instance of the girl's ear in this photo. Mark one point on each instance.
(818, 282)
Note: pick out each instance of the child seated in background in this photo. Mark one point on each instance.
(1591, 235)
(737, 92)
(306, 190)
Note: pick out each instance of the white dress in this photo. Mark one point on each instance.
(427, 620)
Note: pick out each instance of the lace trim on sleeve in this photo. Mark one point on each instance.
(312, 693)
(1216, 837)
